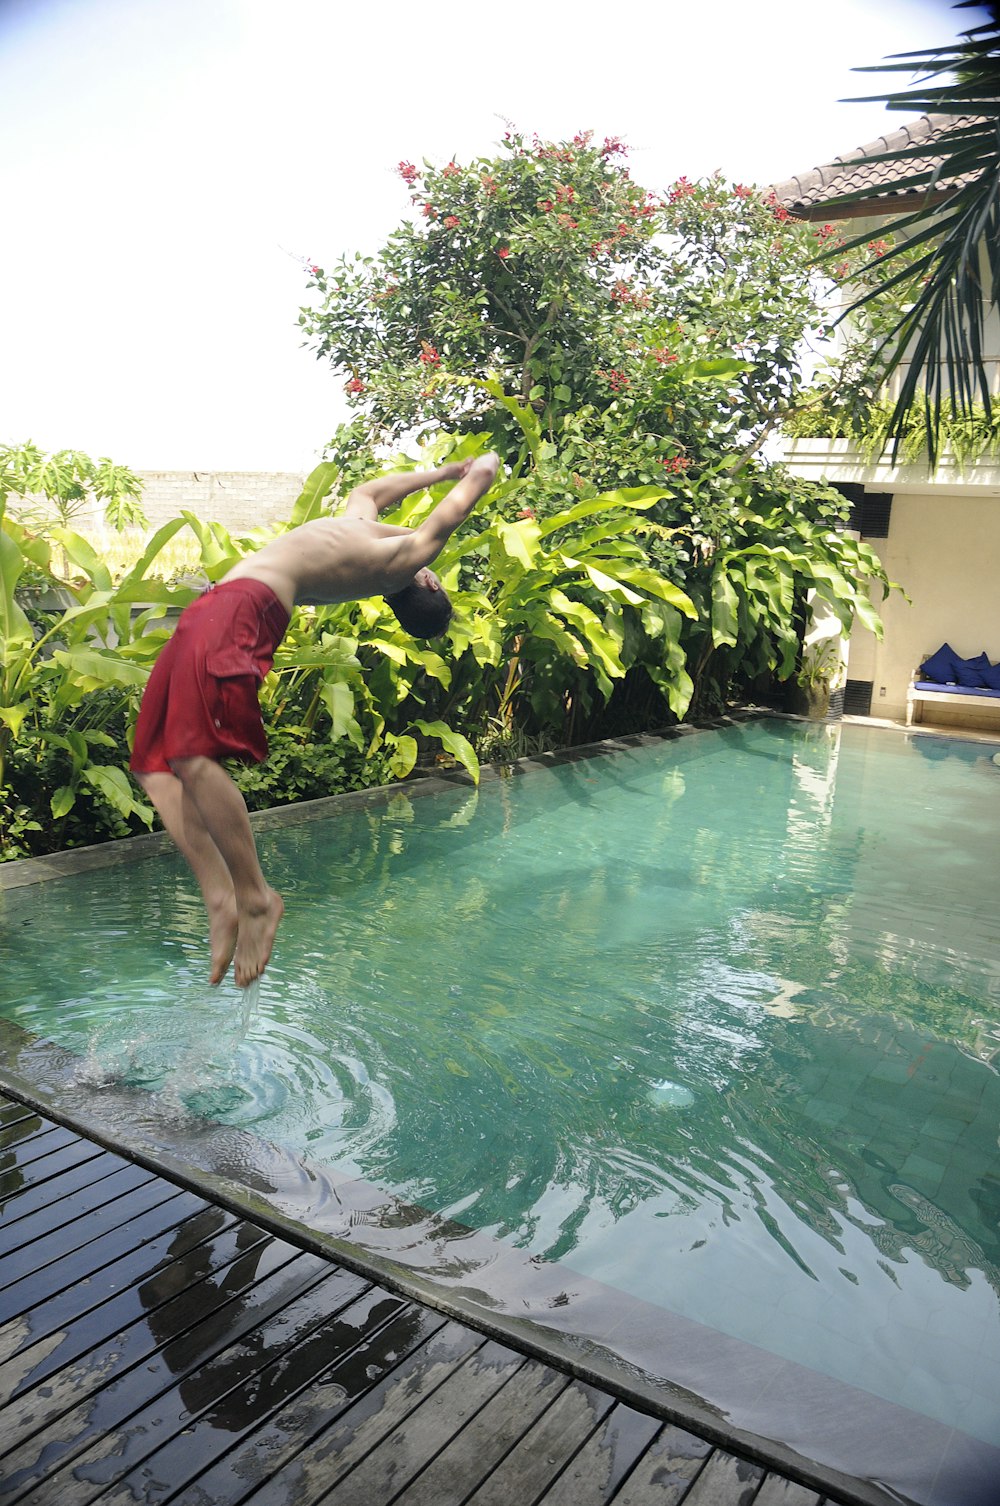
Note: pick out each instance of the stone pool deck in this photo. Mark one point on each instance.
(157, 1347)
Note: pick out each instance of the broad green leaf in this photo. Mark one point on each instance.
(161, 537)
(62, 802)
(338, 699)
(454, 743)
(318, 485)
(519, 541)
(403, 754)
(13, 717)
(637, 497)
(13, 622)
(592, 630)
(85, 557)
(714, 369)
(92, 669)
(114, 785)
(725, 603)
(656, 585)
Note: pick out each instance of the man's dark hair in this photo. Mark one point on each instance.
(420, 612)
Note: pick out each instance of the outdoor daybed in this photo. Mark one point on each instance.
(946, 679)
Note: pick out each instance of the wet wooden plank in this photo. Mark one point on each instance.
(28, 1127)
(421, 1434)
(328, 1457)
(481, 1445)
(22, 1178)
(35, 1274)
(547, 1447)
(595, 1473)
(666, 1470)
(77, 1173)
(12, 1111)
(90, 1297)
(235, 1393)
(777, 1491)
(82, 1401)
(46, 1222)
(725, 1481)
(273, 1447)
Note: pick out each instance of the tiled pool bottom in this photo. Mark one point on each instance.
(841, 1440)
(595, 1316)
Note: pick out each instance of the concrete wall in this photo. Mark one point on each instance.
(944, 549)
(240, 500)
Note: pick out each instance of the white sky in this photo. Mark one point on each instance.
(166, 165)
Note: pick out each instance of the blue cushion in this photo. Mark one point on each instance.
(940, 667)
(970, 671)
(990, 676)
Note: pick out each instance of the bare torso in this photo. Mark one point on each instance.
(327, 560)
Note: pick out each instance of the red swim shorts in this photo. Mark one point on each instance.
(201, 698)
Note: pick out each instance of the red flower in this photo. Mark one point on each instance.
(676, 463)
(355, 385)
(429, 355)
(314, 271)
(451, 171)
(825, 231)
(489, 184)
(429, 212)
(503, 253)
(682, 189)
(567, 221)
(613, 147)
(547, 205)
(407, 172)
(617, 380)
(662, 355)
(742, 192)
(878, 248)
(451, 222)
(526, 512)
(781, 213)
(565, 193)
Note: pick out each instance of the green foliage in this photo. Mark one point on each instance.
(637, 561)
(65, 483)
(966, 437)
(619, 316)
(952, 240)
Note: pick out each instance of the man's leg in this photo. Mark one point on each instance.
(180, 817)
(223, 814)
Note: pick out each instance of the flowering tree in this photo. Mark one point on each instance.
(604, 337)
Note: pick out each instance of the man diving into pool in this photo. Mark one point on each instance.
(200, 703)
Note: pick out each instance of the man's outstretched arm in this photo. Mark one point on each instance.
(374, 497)
(411, 549)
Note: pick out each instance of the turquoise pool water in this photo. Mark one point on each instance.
(716, 1022)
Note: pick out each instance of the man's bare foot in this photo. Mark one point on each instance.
(222, 936)
(255, 938)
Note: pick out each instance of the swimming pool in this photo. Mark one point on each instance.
(713, 1023)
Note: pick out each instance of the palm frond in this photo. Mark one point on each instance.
(937, 341)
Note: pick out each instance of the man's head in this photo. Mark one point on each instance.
(422, 608)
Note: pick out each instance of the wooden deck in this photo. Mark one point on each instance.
(156, 1348)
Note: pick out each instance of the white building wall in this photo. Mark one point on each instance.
(944, 550)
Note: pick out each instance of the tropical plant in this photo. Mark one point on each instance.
(67, 482)
(951, 243)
